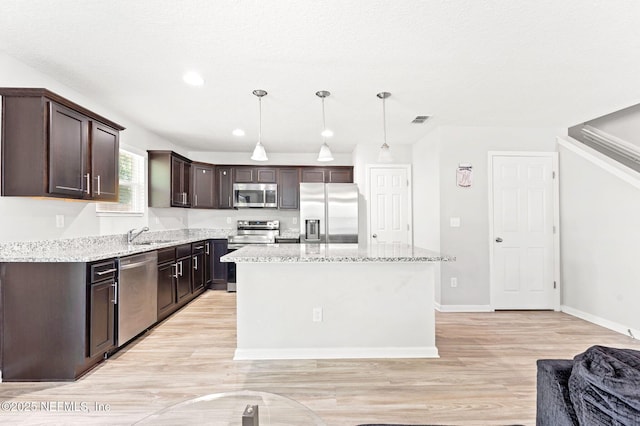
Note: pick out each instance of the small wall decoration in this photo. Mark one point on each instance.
(463, 175)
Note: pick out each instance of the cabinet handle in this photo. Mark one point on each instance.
(195, 199)
(175, 265)
(206, 249)
(199, 247)
(88, 176)
(98, 185)
(229, 200)
(195, 263)
(180, 268)
(115, 292)
(108, 271)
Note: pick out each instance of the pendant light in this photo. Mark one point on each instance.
(325, 152)
(384, 156)
(259, 154)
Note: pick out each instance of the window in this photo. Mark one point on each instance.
(132, 183)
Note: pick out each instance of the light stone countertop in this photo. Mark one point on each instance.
(289, 253)
(89, 249)
(289, 234)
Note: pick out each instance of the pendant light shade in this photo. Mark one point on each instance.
(384, 156)
(259, 153)
(325, 151)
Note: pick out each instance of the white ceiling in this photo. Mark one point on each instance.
(543, 63)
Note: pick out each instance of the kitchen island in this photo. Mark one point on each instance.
(313, 301)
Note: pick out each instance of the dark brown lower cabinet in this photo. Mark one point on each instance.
(102, 309)
(58, 320)
(183, 279)
(208, 263)
(50, 331)
(166, 284)
(198, 265)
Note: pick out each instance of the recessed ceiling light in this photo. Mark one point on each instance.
(193, 78)
(238, 132)
(327, 133)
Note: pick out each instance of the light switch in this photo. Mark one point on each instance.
(454, 222)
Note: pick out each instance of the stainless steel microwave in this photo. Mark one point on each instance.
(256, 195)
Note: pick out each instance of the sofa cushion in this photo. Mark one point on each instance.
(553, 403)
(605, 386)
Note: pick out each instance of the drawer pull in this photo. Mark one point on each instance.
(108, 271)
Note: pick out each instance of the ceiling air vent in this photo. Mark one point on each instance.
(420, 119)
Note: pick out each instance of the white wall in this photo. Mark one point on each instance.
(426, 198)
(470, 242)
(28, 219)
(600, 226)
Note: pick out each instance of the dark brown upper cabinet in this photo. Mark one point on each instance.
(169, 179)
(224, 187)
(255, 175)
(68, 152)
(53, 147)
(104, 162)
(289, 188)
(203, 180)
(337, 174)
(340, 175)
(180, 181)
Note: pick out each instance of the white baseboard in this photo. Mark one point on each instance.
(336, 353)
(611, 325)
(463, 308)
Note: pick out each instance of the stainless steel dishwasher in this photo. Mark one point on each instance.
(138, 295)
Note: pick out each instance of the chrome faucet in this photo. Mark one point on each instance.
(131, 236)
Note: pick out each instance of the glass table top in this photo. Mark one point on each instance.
(229, 408)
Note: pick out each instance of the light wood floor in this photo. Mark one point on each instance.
(485, 375)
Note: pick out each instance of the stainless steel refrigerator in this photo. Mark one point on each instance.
(328, 213)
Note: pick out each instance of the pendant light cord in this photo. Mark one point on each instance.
(324, 125)
(260, 120)
(384, 120)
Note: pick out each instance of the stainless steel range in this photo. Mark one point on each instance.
(250, 232)
(255, 232)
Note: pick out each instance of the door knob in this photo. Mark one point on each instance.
(375, 235)
(498, 240)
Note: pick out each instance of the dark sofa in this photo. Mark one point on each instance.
(600, 386)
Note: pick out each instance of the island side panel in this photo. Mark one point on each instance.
(369, 310)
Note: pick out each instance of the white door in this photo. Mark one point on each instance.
(522, 270)
(389, 208)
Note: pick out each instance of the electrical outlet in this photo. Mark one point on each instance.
(59, 221)
(454, 222)
(228, 220)
(317, 314)
(295, 220)
(454, 282)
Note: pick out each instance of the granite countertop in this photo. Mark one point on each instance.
(89, 249)
(288, 234)
(288, 253)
